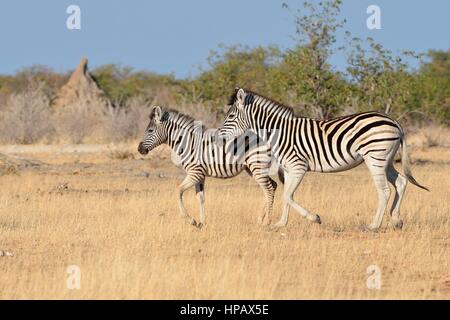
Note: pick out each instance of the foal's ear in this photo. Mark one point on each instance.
(156, 111)
(159, 114)
(240, 98)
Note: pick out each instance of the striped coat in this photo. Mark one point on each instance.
(303, 144)
(201, 154)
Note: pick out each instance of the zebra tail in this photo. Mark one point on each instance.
(407, 165)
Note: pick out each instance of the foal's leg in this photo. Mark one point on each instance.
(200, 191)
(187, 183)
(268, 187)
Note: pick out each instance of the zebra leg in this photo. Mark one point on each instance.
(291, 183)
(268, 186)
(399, 182)
(381, 184)
(185, 185)
(284, 217)
(200, 191)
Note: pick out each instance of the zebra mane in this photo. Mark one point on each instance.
(251, 95)
(175, 116)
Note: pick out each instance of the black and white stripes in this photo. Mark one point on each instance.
(303, 144)
(200, 154)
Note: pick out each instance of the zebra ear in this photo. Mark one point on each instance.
(157, 112)
(240, 98)
(160, 115)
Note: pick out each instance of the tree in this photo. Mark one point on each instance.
(381, 79)
(433, 90)
(121, 83)
(439, 66)
(235, 66)
(309, 75)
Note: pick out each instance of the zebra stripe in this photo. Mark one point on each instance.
(199, 152)
(304, 144)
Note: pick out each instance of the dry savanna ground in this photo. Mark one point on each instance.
(114, 214)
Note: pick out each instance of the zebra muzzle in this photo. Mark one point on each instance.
(142, 150)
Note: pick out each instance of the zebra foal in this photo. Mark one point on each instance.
(198, 152)
(303, 144)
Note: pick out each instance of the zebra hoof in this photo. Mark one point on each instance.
(192, 222)
(277, 226)
(397, 225)
(314, 218)
(199, 225)
(370, 228)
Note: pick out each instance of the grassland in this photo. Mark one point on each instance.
(115, 215)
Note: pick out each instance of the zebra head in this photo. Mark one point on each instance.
(156, 132)
(236, 120)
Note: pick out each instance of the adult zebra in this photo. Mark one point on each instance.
(198, 152)
(303, 144)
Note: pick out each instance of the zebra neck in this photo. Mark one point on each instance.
(269, 123)
(182, 139)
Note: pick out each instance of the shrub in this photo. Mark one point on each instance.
(75, 122)
(25, 117)
(126, 123)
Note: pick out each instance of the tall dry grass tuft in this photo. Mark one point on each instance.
(435, 136)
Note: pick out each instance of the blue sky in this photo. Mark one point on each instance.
(175, 36)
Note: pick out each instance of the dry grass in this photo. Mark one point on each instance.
(430, 137)
(124, 232)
